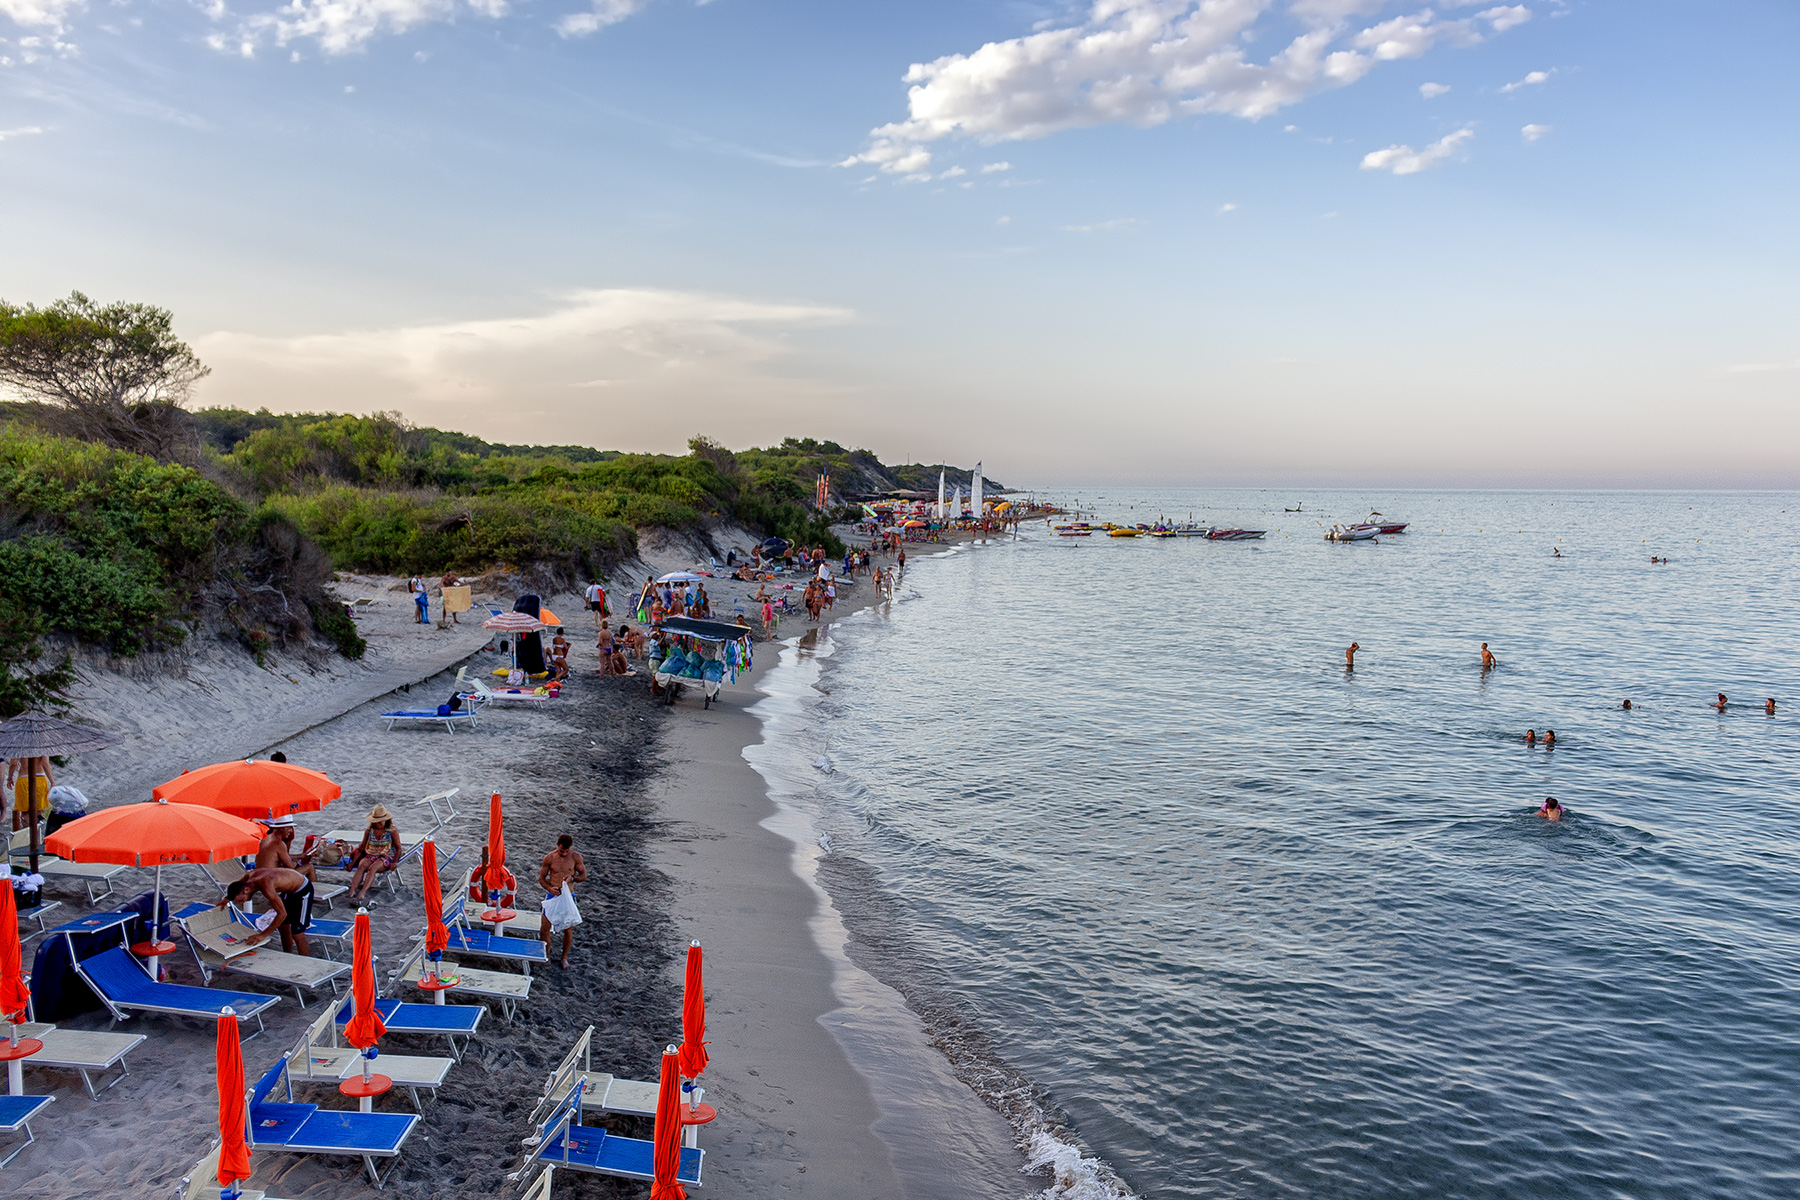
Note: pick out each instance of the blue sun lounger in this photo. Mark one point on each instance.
(429, 714)
(125, 988)
(309, 1129)
(15, 1114)
(482, 944)
(440, 1020)
(562, 1143)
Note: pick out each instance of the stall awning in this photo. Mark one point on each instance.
(706, 631)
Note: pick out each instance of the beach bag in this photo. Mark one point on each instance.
(560, 910)
(714, 671)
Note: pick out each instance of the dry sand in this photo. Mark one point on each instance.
(681, 841)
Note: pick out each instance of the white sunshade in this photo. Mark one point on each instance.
(682, 577)
(513, 622)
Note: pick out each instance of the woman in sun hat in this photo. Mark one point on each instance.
(379, 853)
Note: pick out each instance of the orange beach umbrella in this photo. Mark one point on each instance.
(437, 937)
(253, 788)
(365, 1026)
(15, 994)
(499, 880)
(666, 1141)
(234, 1154)
(693, 1017)
(150, 835)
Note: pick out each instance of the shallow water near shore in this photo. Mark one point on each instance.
(1177, 887)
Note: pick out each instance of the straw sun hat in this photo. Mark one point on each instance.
(378, 813)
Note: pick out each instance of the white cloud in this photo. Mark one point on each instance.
(1227, 208)
(1533, 133)
(25, 131)
(1114, 225)
(341, 26)
(604, 13)
(990, 168)
(1507, 17)
(1531, 80)
(1404, 160)
(1004, 221)
(46, 13)
(1763, 368)
(952, 173)
(1144, 62)
(1431, 91)
(640, 343)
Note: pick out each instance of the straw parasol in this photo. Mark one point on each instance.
(500, 882)
(234, 1153)
(666, 1141)
(693, 1017)
(34, 735)
(254, 788)
(150, 835)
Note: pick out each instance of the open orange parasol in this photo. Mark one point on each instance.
(666, 1141)
(253, 788)
(693, 1017)
(500, 882)
(234, 1154)
(150, 835)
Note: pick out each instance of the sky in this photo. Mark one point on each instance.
(1264, 242)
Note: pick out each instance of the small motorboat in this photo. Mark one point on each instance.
(1383, 525)
(1234, 535)
(1355, 533)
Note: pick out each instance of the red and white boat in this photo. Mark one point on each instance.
(1234, 535)
(1383, 525)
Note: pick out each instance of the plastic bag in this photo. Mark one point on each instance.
(560, 910)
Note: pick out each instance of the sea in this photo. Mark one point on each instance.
(1204, 913)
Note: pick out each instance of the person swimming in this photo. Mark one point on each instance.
(1531, 737)
(1549, 738)
(1721, 704)
(1350, 656)
(1558, 553)
(1628, 706)
(1769, 706)
(1552, 811)
(1487, 657)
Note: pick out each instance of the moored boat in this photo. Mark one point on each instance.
(1234, 535)
(1354, 533)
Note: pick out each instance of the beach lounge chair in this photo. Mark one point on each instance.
(202, 1183)
(313, 1060)
(122, 985)
(474, 685)
(89, 875)
(481, 943)
(278, 1123)
(224, 874)
(220, 940)
(447, 801)
(600, 1091)
(15, 1114)
(449, 1021)
(507, 989)
(81, 1050)
(450, 720)
(561, 1142)
(43, 909)
(414, 853)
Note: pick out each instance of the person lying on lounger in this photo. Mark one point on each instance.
(290, 897)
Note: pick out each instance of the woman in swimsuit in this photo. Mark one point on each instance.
(378, 854)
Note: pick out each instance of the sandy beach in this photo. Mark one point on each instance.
(818, 1072)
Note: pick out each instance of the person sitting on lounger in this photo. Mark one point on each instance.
(290, 896)
(378, 854)
(276, 849)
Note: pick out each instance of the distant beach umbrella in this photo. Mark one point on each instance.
(15, 993)
(693, 1017)
(256, 789)
(513, 622)
(666, 1141)
(234, 1152)
(34, 735)
(150, 835)
(437, 938)
(548, 618)
(500, 882)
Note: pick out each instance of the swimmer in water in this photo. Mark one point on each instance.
(1721, 704)
(1558, 553)
(1552, 811)
(1769, 706)
(1350, 656)
(1628, 706)
(1531, 737)
(1549, 738)
(1487, 657)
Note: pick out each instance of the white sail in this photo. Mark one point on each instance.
(975, 492)
(956, 504)
(940, 506)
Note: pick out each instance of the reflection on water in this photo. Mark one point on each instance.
(1259, 926)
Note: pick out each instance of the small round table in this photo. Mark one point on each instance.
(438, 986)
(691, 1119)
(14, 1057)
(365, 1090)
(154, 950)
(498, 916)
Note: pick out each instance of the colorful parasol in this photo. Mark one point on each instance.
(501, 885)
(252, 788)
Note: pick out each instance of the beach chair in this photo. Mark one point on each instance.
(450, 1021)
(450, 720)
(479, 689)
(15, 1114)
(391, 879)
(600, 1091)
(81, 1050)
(125, 989)
(278, 1123)
(219, 939)
(504, 987)
(229, 871)
(312, 1060)
(43, 909)
(202, 1183)
(481, 943)
(561, 1142)
(447, 800)
(89, 875)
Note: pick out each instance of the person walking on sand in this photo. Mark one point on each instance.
(29, 780)
(903, 560)
(562, 865)
(1350, 656)
(1488, 661)
(290, 897)
(422, 597)
(596, 602)
(450, 580)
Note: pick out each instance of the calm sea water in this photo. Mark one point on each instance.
(1255, 926)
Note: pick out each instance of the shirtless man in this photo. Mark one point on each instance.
(1350, 656)
(276, 849)
(562, 865)
(290, 895)
(1487, 657)
(1721, 704)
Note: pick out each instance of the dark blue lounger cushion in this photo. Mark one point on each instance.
(332, 1131)
(117, 974)
(16, 1110)
(591, 1147)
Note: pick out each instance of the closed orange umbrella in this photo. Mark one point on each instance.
(693, 1017)
(437, 938)
(365, 1026)
(149, 835)
(14, 993)
(253, 788)
(500, 882)
(666, 1141)
(234, 1154)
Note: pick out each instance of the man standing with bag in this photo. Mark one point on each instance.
(562, 866)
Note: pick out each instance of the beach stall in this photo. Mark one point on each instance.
(705, 654)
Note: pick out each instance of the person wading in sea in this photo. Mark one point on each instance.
(1488, 661)
(1350, 656)
(1552, 811)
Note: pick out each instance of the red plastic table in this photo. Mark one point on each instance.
(14, 1057)
(438, 986)
(365, 1090)
(692, 1119)
(154, 950)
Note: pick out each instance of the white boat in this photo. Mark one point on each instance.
(1354, 533)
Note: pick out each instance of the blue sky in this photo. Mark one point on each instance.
(1239, 241)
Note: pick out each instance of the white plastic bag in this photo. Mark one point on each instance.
(561, 912)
